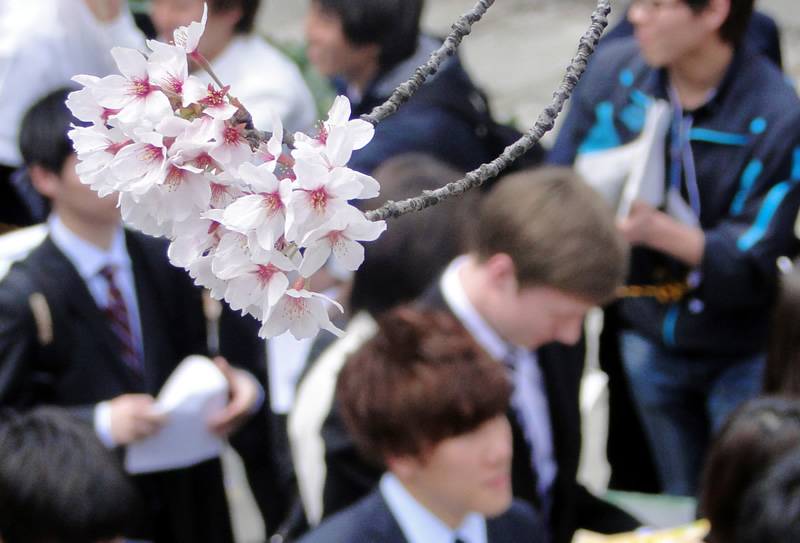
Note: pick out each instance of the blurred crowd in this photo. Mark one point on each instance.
(450, 410)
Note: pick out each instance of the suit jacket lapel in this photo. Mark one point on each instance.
(150, 312)
(67, 291)
(381, 522)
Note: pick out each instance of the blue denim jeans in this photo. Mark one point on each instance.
(682, 402)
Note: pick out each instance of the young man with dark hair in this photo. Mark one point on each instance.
(95, 319)
(703, 274)
(370, 47)
(434, 418)
(58, 483)
(260, 76)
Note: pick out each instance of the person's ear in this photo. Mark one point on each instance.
(231, 16)
(43, 180)
(404, 467)
(716, 13)
(501, 272)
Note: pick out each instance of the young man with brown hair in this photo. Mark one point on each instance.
(434, 418)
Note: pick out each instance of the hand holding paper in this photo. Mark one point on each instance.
(195, 392)
(134, 417)
(243, 395)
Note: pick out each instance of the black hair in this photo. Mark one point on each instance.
(43, 134)
(770, 509)
(58, 482)
(249, 10)
(735, 25)
(413, 251)
(392, 24)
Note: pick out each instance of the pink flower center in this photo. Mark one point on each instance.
(174, 84)
(295, 308)
(218, 192)
(272, 202)
(232, 134)
(204, 161)
(115, 147)
(175, 177)
(318, 199)
(265, 273)
(322, 133)
(150, 154)
(215, 97)
(140, 88)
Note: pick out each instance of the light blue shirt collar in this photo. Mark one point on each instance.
(420, 525)
(88, 259)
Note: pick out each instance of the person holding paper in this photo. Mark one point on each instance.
(703, 267)
(95, 319)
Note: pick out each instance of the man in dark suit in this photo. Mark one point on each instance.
(545, 250)
(103, 348)
(434, 418)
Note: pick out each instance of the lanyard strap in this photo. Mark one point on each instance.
(681, 158)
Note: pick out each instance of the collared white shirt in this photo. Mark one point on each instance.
(529, 397)
(420, 525)
(88, 261)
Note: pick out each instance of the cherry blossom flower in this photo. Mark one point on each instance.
(96, 147)
(215, 105)
(319, 194)
(132, 93)
(302, 313)
(256, 286)
(337, 138)
(184, 193)
(244, 222)
(339, 236)
(188, 37)
(142, 164)
(169, 70)
(230, 145)
(83, 103)
(265, 210)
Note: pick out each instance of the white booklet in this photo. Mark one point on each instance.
(634, 170)
(194, 392)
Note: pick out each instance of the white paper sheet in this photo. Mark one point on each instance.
(195, 391)
(634, 170)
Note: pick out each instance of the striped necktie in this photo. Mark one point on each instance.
(119, 320)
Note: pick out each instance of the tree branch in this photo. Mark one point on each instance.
(461, 28)
(544, 123)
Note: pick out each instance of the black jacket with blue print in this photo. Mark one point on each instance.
(745, 145)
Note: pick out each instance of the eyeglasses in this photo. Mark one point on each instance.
(651, 6)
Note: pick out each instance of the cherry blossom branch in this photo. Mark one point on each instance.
(461, 28)
(544, 123)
